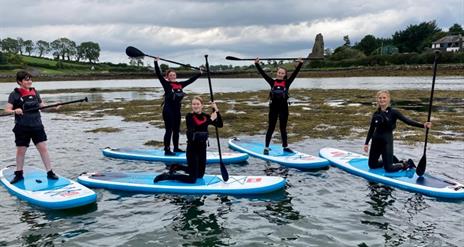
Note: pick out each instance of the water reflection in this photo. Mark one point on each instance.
(43, 225)
(197, 226)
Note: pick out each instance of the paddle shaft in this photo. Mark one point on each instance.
(420, 170)
(224, 173)
(431, 100)
(134, 52)
(270, 58)
(52, 105)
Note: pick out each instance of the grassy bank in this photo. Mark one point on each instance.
(394, 70)
(334, 114)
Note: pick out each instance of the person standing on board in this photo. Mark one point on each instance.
(173, 95)
(278, 106)
(197, 137)
(383, 123)
(22, 102)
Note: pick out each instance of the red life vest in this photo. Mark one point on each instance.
(176, 86)
(279, 91)
(26, 92)
(198, 121)
(28, 99)
(176, 93)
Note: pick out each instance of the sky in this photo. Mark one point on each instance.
(185, 31)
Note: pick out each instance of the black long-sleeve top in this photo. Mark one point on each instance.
(271, 81)
(388, 124)
(168, 90)
(200, 122)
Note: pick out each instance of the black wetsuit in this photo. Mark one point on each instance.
(197, 138)
(278, 106)
(381, 133)
(173, 95)
(29, 125)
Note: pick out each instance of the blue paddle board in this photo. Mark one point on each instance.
(276, 154)
(357, 164)
(38, 190)
(209, 184)
(158, 155)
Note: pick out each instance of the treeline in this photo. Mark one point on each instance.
(61, 49)
(409, 46)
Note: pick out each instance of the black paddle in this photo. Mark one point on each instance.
(224, 173)
(420, 170)
(134, 52)
(271, 58)
(49, 106)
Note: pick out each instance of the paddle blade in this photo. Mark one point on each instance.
(224, 173)
(233, 58)
(134, 52)
(86, 99)
(420, 170)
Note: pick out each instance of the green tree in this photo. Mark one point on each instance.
(80, 53)
(456, 29)
(346, 38)
(43, 47)
(164, 67)
(345, 52)
(64, 48)
(415, 37)
(3, 59)
(10, 45)
(20, 45)
(136, 61)
(28, 46)
(90, 50)
(367, 44)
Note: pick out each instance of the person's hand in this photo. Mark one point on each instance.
(58, 106)
(157, 59)
(18, 111)
(300, 60)
(202, 70)
(257, 60)
(213, 116)
(428, 125)
(214, 106)
(366, 148)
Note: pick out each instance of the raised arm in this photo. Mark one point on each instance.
(191, 80)
(263, 74)
(295, 73)
(160, 76)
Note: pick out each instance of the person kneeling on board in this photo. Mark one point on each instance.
(381, 132)
(197, 138)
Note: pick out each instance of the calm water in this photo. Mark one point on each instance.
(317, 208)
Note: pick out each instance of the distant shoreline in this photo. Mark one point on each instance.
(394, 70)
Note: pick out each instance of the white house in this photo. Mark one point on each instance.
(451, 43)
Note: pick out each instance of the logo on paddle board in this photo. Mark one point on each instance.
(254, 180)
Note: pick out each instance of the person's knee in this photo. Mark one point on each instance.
(41, 147)
(21, 150)
(373, 164)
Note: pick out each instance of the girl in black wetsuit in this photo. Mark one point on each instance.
(173, 95)
(278, 106)
(197, 137)
(381, 132)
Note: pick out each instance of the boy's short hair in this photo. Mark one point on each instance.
(21, 75)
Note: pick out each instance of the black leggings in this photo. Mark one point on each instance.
(171, 119)
(196, 160)
(383, 145)
(280, 111)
